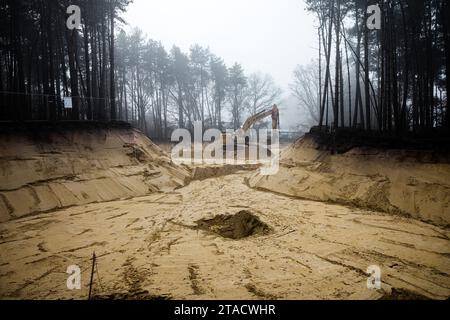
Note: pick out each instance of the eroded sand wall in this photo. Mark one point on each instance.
(42, 170)
(414, 183)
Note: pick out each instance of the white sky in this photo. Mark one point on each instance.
(271, 36)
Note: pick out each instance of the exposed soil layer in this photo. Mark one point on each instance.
(345, 139)
(414, 183)
(240, 225)
(44, 167)
(204, 172)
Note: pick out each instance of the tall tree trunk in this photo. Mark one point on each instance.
(103, 64)
(358, 97)
(349, 87)
(54, 98)
(367, 71)
(327, 73)
(87, 63)
(95, 73)
(341, 89)
(446, 28)
(112, 62)
(337, 89)
(405, 71)
(72, 40)
(18, 77)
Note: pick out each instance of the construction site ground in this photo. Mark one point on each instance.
(221, 237)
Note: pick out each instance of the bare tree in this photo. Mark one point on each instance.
(262, 92)
(306, 90)
(237, 93)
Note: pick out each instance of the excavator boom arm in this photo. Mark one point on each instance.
(274, 112)
(255, 118)
(261, 115)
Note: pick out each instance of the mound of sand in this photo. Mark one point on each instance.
(45, 167)
(408, 182)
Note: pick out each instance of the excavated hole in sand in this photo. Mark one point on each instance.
(241, 225)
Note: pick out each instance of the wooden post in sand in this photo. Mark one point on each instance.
(92, 276)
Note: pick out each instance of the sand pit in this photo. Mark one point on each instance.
(238, 226)
(402, 182)
(151, 247)
(46, 168)
(226, 233)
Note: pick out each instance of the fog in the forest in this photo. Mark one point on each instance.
(269, 36)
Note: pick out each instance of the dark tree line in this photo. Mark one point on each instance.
(112, 75)
(393, 79)
(41, 60)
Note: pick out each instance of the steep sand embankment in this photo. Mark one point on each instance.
(406, 182)
(46, 167)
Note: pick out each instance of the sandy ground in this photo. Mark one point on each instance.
(401, 182)
(217, 232)
(48, 169)
(153, 247)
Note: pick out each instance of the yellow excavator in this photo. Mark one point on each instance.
(274, 112)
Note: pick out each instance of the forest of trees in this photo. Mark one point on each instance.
(112, 75)
(42, 60)
(393, 79)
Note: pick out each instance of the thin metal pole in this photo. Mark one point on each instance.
(92, 275)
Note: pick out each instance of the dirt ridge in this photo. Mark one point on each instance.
(411, 183)
(44, 168)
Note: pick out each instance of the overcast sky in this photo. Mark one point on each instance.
(271, 36)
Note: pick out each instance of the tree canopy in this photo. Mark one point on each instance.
(394, 79)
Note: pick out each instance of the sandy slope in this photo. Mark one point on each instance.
(66, 194)
(410, 183)
(150, 247)
(45, 169)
